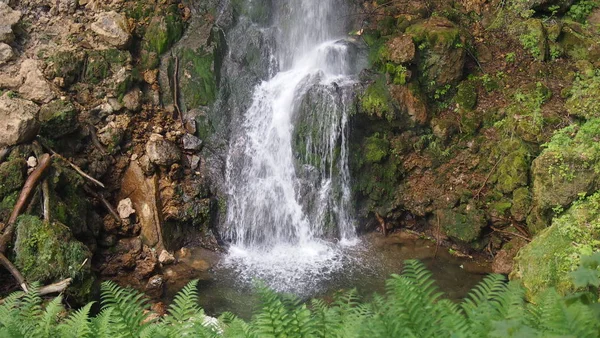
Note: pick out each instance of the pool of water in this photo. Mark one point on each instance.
(366, 266)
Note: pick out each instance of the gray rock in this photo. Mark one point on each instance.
(8, 18)
(6, 53)
(166, 258)
(35, 87)
(191, 142)
(125, 208)
(18, 120)
(112, 27)
(162, 152)
(133, 100)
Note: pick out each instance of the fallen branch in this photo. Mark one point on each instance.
(511, 234)
(13, 271)
(111, 210)
(55, 288)
(77, 169)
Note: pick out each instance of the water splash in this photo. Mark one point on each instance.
(287, 167)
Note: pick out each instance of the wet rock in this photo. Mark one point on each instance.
(154, 287)
(35, 87)
(166, 258)
(401, 49)
(504, 259)
(131, 245)
(464, 226)
(18, 120)
(125, 208)
(191, 142)
(162, 152)
(145, 268)
(143, 193)
(6, 53)
(112, 27)
(411, 101)
(133, 100)
(8, 19)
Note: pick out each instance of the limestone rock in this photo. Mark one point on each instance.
(6, 53)
(35, 87)
(161, 151)
(401, 49)
(166, 258)
(8, 18)
(133, 100)
(125, 208)
(32, 162)
(112, 27)
(18, 120)
(191, 142)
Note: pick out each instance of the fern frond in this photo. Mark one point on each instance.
(185, 304)
(46, 326)
(78, 324)
(129, 308)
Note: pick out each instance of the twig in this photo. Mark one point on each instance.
(175, 93)
(46, 200)
(104, 202)
(488, 178)
(511, 233)
(92, 130)
(55, 288)
(77, 169)
(13, 271)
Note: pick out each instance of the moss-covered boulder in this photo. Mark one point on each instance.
(466, 95)
(12, 176)
(557, 250)
(521, 204)
(197, 78)
(568, 167)
(109, 63)
(162, 32)
(66, 64)
(47, 252)
(440, 52)
(513, 168)
(57, 119)
(577, 42)
(462, 225)
(376, 100)
(532, 35)
(584, 94)
(541, 5)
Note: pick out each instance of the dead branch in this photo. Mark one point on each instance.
(77, 169)
(511, 234)
(104, 202)
(55, 288)
(13, 271)
(46, 200)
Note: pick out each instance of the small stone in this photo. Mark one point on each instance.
(112, 27)
(161, 151)
(166, 258)
(6, 53)
(133, 100)
(35, 87)
(154, 287)
(32, 162)
(103, 110)
(125, 208)
(194, 161)
(18, 120)
(191, 142)
(114, 103)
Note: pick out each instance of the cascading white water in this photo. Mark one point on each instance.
(287, 167)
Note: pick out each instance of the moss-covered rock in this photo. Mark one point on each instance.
(578, 43)
(66, 64)
(513, 168)
(47, 252)
(162, 32)
(440, 53)
(557, 250)
(12, 176)
(464, 226)
(466, 95)
(57, 119)
(376, 100)
(521, 204)
(584, 96)
(109, 63)
(532, 35)
(197, 78)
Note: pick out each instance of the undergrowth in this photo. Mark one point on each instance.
(411, 307)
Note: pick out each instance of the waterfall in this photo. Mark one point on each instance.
(287, 167)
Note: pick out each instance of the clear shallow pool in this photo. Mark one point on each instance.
(227, 281)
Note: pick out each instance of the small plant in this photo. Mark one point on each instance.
(510, 57)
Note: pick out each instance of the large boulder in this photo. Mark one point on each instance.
(441, 54)
(18, 120)
(462, 225)
(8, 19)
(113, 28)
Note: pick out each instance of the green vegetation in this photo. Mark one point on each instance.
(163, 31)
(411, 307)
(199, 86)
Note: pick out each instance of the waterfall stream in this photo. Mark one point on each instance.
(289, 216)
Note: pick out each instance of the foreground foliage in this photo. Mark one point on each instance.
(411, 307)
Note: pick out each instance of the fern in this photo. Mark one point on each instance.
(129, 309)
(78, 324)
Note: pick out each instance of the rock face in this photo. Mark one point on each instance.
(401, 49)
(161, 151)
(143, 193)
(112, 27)
(8, 18)
(18, 120)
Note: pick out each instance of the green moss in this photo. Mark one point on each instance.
(376, 100)
(68, 203)
(47, 251)
(533, 38)
(584, 96)
(513, 169)
(557, 250)
(463, 226)
(466, 95)
(521, 204)
(7, 204)
(162, 32)
(12, 176)
(198, 86)
(57, 119)
(67, 64)
(102, 64)
(376, 148)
